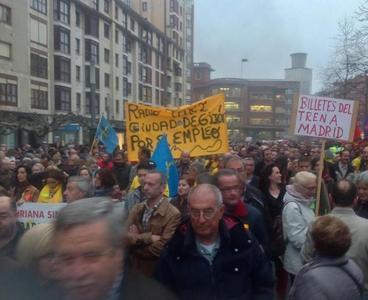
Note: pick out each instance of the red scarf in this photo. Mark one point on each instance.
(240, 210)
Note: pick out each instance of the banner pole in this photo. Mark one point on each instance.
(319, 179)
(94, 138)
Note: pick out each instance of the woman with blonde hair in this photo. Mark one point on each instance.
(35, 250)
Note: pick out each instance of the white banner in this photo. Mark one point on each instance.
(31, 214)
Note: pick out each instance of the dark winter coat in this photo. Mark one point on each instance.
(239, 270)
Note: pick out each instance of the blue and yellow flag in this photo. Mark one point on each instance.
(107, 135)
(165, 163)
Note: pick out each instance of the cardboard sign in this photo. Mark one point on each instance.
(31, 214)
(325, 118)
(199, 128)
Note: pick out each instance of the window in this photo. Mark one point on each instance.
(117, 83)
(125, 19)
(38, 32)
(107, 80)
(5, 14)
(62, 39)
(127, 45)
(127, 87)
(62, 98)
(144, 6)
(77, 18)
(77, 73)
(127, 66)
(77, 46)
(107, 30)
(62, 11)
(261, 108)
(116, 36)
(145, 93)
(39, 97)
(92, 51)
(95, 4)
(107, 56)
(5, 50)
(107, 6)
(96, 104)
(132, 24)
(117, 106)
(231, 105)
(62, 69)
(40, 6)
(78, 102)
(88, 77)
(116, 12)
(91, 25)
(8, 93)
(116, 60)
(39, 66)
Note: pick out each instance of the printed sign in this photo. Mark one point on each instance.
(31, 214)
(199, 128)
(323, 117)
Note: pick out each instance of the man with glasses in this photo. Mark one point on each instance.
(212, 256)
(229, 183)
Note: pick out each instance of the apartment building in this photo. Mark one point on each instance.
(176, 19)
(257, 108)
(64, 61)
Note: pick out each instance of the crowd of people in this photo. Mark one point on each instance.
(243, 225)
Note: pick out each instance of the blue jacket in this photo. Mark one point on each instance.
(239, 270)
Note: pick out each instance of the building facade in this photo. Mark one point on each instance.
(260, 109)
(299, 72)
(66, 62)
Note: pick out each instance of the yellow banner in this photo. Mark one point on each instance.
(199, 128)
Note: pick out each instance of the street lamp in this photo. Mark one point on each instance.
(244, 60)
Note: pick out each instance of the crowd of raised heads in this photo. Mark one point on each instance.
(243, 225)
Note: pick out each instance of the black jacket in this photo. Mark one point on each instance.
(240, 270)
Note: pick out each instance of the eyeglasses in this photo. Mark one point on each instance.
(230, 188)
(208, 214)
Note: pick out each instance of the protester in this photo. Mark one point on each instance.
(36, 253)
(84, 171)
(343, 196)
(52, 192)
(92, 268)
(104, 183)
(121, 170)
(137, 196)
(151, 224)
(6, 175)
(180, 201)
(144, 155)
(214, 257)
(10, 230)
(249, 167)
(266, 160)
(296, 217)
(361, 207)
(229, 183)
(78, 187)
(330, 275)
(23, 191)
(183, 163)
(343, 168)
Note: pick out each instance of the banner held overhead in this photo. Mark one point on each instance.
(199, 128)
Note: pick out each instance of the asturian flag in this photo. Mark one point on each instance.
(107, 135)
(165, 163)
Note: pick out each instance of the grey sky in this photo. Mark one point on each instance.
(266, 32)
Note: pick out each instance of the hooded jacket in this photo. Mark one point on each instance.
(296, 217)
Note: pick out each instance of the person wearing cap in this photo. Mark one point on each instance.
(52, 192)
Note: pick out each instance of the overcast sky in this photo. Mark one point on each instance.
(266, 32)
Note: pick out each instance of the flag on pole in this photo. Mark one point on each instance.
(164, 160)
(107, 135)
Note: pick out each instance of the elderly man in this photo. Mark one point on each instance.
(78, 187)
(343, 196)
(214, 257)
(10, 230)
(88, 248)
(296, 217)
(151, 224)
